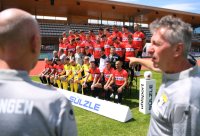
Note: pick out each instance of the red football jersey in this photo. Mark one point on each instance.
(138, 38)
(59, 68)
(107, 45)
(82, 37)
(120, 77)
(70, 37)
(119, 49)
(71, 47)
(130, 50)
(117, 34)
(97, 51)
(107, 73)
(94, 72)
(125, 37)
(90, 44)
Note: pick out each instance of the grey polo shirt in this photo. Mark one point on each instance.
(176, 108)
(31, 109)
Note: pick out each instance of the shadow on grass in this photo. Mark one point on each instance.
(131, 120)
(134, 94)
(130, 103)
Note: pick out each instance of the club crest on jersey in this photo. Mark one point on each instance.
(163, 99)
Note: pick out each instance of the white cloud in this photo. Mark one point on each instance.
(182, 6)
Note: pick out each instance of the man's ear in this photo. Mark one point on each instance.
(178, 49)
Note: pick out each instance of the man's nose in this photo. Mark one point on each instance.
(150, 50)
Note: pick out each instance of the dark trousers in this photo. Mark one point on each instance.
(138, 66)
(43, 79)
(119, 100)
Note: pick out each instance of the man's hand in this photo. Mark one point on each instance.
(133, 61)
(119, 90)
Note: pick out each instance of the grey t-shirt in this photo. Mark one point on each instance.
(176, 108)
(31, 109)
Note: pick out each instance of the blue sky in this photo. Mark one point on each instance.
(192, 6)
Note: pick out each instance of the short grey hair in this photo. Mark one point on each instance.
(177, 31)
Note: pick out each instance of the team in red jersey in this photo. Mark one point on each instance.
(125, 34)
(139, 40)
(116, 33)
(130, 48)
(93, 84)
(118, 83)
(119, 48)
(112, 78)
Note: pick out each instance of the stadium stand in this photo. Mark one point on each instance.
(51, 29)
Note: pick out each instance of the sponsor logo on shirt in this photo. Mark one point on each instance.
(129, 49)
(119, 78)
(16, 106)
(137, 39)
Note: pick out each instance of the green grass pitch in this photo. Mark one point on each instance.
(91, 124)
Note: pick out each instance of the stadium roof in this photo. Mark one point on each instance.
(98, 9)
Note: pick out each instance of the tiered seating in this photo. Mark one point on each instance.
(196, 37)
(147, 32)
(51, 29)
(86, 28)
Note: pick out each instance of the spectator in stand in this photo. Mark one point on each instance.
(72, 46)
(92, 35)
(79, 56)
(97, 52)
(119, 48)
(62, 55)
(119, 81)
(107, 76)
(113, 56)
(46, 71)
(116, 33)
(94, 72)
(125, 34)
(139, 40)
(70, 36)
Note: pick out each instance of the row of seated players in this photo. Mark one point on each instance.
(87, 78)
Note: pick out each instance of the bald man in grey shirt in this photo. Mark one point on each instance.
(27, 108)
